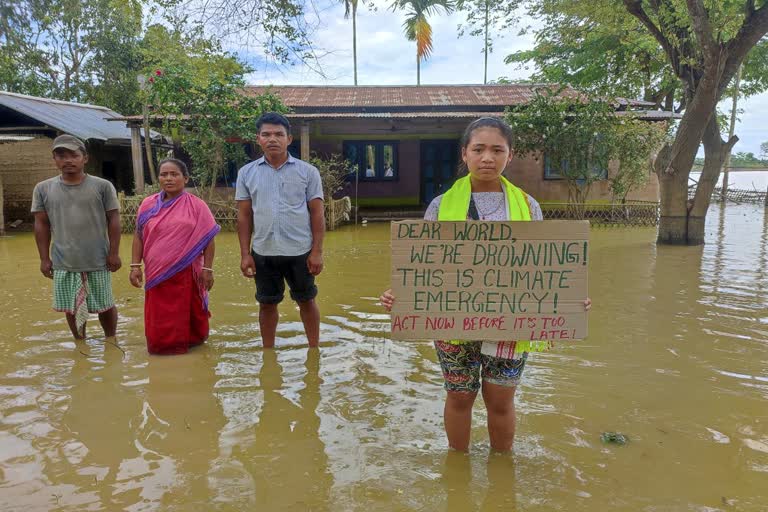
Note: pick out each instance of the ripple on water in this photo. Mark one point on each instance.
(675, 360)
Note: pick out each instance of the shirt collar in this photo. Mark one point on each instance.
(263, 160)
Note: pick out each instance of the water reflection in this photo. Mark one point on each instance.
(95, 444)
(286, 457)
(457, 482)
(177, 432)
(676, 359)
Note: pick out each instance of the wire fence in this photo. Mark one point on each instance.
(739, 196)
(629, 214)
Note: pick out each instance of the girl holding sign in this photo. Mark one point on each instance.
(472, 366)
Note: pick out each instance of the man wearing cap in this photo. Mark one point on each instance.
(80, 214)
(280, 226)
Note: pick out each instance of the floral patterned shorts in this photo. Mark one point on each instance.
(463, 365)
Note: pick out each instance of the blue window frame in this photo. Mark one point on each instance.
(373, 160)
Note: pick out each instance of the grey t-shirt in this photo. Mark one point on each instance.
(77, 214)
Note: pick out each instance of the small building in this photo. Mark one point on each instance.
(28, 125)
(404, 140)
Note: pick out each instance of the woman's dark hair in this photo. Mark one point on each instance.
(273, 118)
(175, 161)
(484, 122)
(487, 122)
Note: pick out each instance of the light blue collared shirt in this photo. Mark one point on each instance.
(279, 197)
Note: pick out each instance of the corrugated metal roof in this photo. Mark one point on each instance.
(81, 120)
(394, 115)
(306, 96)
(640, 114)
(14, 138)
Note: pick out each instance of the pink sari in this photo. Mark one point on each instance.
(174, 233)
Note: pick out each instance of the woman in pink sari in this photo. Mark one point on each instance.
(174, 236)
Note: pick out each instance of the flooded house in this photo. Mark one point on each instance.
(404, 140)
(28, 124)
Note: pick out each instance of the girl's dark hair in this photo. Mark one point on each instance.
(175, 161)
(487, 122)
(484, 122)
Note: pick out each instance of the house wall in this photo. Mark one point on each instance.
(403, 191)
(528, 174)
(23, 164)
(327, 137)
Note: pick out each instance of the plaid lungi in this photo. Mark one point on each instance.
(80, 293)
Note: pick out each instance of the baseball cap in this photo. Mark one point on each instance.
(69, 142)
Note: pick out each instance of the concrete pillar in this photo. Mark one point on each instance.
(305, 141)
(138, 160)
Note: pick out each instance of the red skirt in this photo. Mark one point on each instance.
(174, 318)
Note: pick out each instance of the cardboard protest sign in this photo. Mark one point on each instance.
(498, 281)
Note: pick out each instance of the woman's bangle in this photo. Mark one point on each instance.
(209, 269)
(136, 265)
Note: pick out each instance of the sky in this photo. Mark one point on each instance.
(386, 57)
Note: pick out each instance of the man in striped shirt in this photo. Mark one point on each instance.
(280, 225)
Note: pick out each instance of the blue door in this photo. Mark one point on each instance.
(439, 160)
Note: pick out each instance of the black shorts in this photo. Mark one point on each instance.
(273, 271)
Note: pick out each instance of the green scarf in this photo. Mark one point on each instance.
(454, 206)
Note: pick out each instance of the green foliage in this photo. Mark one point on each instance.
(71, 50)
(93, 50)
(333, 172)
(599, 46)
(209, 115)
(635, 143)
(187, 47)
(115, 58)
(596, 46)
(742, 159)
(583, 135)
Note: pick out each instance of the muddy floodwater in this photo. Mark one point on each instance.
(676, 360)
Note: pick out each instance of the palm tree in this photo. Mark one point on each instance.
(350, 6)
(416, 26)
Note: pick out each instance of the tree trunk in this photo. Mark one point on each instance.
(354, 37)
(673, 223)
(715, 152)
(731, 129)
(418, 68)
(485, 68)
(674, 163)
(217, 163)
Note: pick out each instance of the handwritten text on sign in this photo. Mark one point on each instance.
(489, 280)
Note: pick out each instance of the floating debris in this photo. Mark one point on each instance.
(614, 438)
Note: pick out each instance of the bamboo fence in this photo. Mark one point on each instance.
(225, 212)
